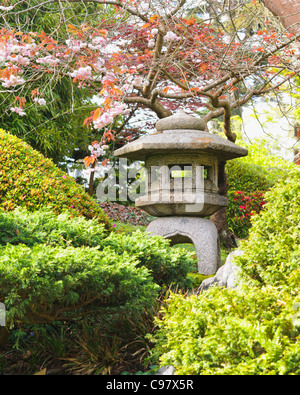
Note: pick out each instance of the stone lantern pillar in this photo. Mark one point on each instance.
(182, 163)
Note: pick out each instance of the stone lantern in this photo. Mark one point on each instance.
(184, 167)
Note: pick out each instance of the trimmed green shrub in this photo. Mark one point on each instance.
(252, 176)
(250, 181)
(46, 227)
(249, 331)
(56, 268)
(28, 179)
(43, 284)
(168, 265)
(248, 177)
(254, 328)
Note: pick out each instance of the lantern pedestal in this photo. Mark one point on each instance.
(198, 231)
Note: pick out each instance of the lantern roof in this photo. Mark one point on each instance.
(181, 133)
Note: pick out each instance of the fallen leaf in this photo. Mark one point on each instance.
(41, 372)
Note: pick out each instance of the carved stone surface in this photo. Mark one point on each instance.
(194, 193)
(180, 120)
(199, 231)
(204, 206)
(166, 371)
(181, 134)
(181, 141)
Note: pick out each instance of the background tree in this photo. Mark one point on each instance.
(155, 55)
(54, 122)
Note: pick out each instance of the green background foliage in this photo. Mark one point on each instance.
(43, 284)
(55, 129)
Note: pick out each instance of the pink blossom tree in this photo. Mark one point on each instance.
(154, 54)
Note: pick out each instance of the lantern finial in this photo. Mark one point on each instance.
(180, 120)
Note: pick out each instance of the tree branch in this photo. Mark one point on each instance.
(154, 104)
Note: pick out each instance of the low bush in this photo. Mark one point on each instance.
(248, 180)
(247, 184)
(43, 284)
(167, 265)
(28, 179)
(53, 267)
(230, 332)
(46, 227)
(272, 252)
(254, 328)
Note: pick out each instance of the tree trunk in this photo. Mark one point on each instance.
(91, 181)
(219, 218)
(288, 12)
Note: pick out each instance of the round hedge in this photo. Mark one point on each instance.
(248, 177)
(28, 179)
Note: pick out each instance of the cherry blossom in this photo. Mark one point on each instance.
(83, 73)
(22, 60)
(151, 43)
(9, 8)
(48, 60)
(12, 81)
(170, 36)
(18, 110)
(136, 64)
(118, 109)
(96, 149)
(143, 7)
(76, 45)
(109, 115)
(40, 101)
(103, 120)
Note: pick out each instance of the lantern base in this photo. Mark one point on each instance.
(198, 231)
